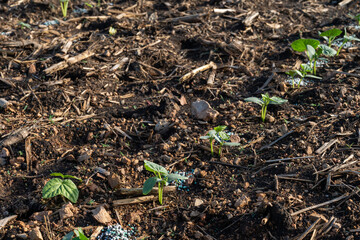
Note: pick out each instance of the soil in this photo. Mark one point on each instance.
(85, 100)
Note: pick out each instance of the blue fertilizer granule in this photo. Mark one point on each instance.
(116, 232)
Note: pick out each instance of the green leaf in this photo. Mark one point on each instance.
(232, 144)
(327, 51)
(254, 100)
(313, 76)
(220, 128)
(292, 73)
(299, 73)
(155, 168)
(80, 234)
(149, 184)
(57, 186)
(331, 33)
(73, 177)
(174, 177)
(204, 137)
(306, 67)
(68, 236)
(218, 139)
(224, 136)
(277, 100)
(310, 51)
(57, 175)
(300, 44)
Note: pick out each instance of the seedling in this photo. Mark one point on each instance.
(313, 49)
(304, 71)
(220, 136)
(356, 17)
(24, 25)
(330, 35)
(292, 74)
(162, 177)
(112, 31)
(264, 102)
(64, 6)
(61, 186)
(77, 234)
(346, 39)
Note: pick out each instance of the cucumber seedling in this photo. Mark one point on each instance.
(356, 17)
(330, 35)
(162, 177)
(313, 50)
(304, 71)
(64, 7)
(264, 102)
(220, 136)
(64, 187)
(345, 40)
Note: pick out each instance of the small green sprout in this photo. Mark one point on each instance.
(112, 31)
(24, 25)
(292, 74)
(89, 5)
(264, 102)
(220, 136)
(313, 49)
(346, 39)
(77, 234)
(64, 7)
(304, 71)
(356, 17)
(162, 177)
(63, 187)
(330, 35)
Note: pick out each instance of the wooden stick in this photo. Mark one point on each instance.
(64, 64)
(280, 138)
(326, 146)
(137, 200)
(139, 191)
(228, 164)
(191, 74)
(302, 236)
(321, 204)
(287, 159)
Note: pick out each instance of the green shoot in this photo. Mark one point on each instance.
(63, 187)
(356, 17)
(292, 74)
(77, 234)
(220, 136)
(264, 102)
(346, 39)
(64, 7)
(112, 31)
(162, 177)
(24, 25)
(330, 35)
(313, 49)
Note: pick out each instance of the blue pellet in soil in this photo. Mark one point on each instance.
(51, 22)
(116, 232)
(181, 184)
(80, 11)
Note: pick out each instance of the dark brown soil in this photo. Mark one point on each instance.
(101, 111)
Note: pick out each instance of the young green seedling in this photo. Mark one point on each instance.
(64, 7)
(264, 102)
(112, 31)
(162, 177)
(220, 136)
(345, 40)
(356, 17)
(313, 49)
(330, 35)
(64, 187)
(292, 74)
(304, 71)
(77, 234)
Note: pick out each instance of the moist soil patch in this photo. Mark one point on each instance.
(79, 101)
